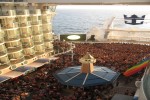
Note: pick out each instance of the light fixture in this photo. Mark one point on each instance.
(73, 37)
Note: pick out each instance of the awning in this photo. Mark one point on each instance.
(3, 78)
(36, 64)
(53, 58)
(13, 74)
(24, 69)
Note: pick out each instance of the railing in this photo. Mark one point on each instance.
(37, 33)
(36, 22)
(36, 42)
(46, 12)
(24, 35)
(45, 21)
(12, 25)
(18, 60)
(4, 64)
(46, 31)
(22, 12)
(27, 44)
(146, 83)
(35, 11)
(7, 13)
(29, 55)
(14, 48)
(1, 40)
(48, 36)
(39, 52)
(136, 39)
(28, 23)
(15, 37)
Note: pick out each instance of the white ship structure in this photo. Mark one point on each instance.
(26, 33)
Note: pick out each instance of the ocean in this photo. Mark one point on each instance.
(80, 20)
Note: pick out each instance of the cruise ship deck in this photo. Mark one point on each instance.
(31, 55)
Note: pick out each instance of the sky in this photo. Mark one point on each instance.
(107, 7)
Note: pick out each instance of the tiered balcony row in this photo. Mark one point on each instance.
(3, 50)
(26, 36)
(25, 24)
(10, 25)
(35, 12)
(16, 57)
(38, 39)
(27, 42)
(4, 62)
(11, 35)
(39, 49)
(23, 12)
(25, 32)
(8, 13)
(29, 53)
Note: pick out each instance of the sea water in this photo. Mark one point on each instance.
(80, 20)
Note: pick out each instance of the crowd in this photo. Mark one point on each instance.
(41, 85)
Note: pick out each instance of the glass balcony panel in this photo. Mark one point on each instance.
(29, 53)
(11, 38)
(27, 44)
(1, 40)
(48, 37)
(48, 46)
(36, 22)
(39, 49)
(8, 13)
(24, 34)
(14, 48)
(35, 11)
(3, 52)
(4, 62)
(10, 25)
(46, 11)
(18, 60)
(22, 12)
(28, 23)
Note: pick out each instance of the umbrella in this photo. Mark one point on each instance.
(87, 74)
(74, 77)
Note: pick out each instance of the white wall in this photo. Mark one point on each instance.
(89, 1)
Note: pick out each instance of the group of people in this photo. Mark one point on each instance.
(41, 84)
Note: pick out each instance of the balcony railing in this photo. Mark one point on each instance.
(46, 12)
(14, 48)
(35, 11)
(37, 33)
(27, 44)
(4, 65)
(45, 21)
(3, 52)
(7, 13)
(7, 38)
(36, 22)
(1, 40)
(46, 31)
(38, 42)
(22, 12)
(16, 61)
(28, 23)
(12, 25)
(39, 52)
(29, 56)
(24, 34)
